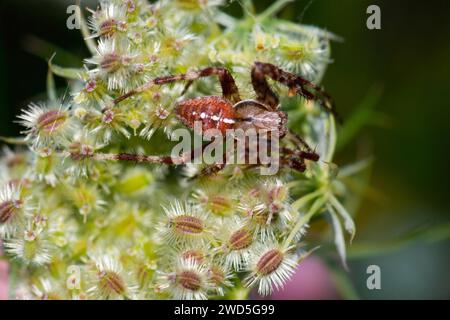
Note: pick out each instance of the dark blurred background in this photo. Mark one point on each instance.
(402, 71)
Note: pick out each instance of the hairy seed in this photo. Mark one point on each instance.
(219, 204)
(8, 209)
(195, 255)
(240, 239)
(108, 27)
(216, 275)
(189, 280)
(111, 282)
(186, 224)
(110, 62)
(51, 121)
(269, 262)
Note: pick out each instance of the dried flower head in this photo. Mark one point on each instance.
(13, 210)
(271, 267)
(109, 19)
(114, 63)
(108, 280)
(46, 125)
(187, 281)
(32, 246)
(238, 244)
(220, 278)
(185, 223)
(45, 289)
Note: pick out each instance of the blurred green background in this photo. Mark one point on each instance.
(398, 76)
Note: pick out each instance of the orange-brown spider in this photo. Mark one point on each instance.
(231, 112)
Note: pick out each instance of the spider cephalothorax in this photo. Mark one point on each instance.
(229, 111)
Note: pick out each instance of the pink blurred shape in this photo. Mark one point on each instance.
(312, 281)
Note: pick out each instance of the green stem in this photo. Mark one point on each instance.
(317, 205)
(348, 220)
(13, 140)
(296, 205)
(249, 8)
(67, 73)
(273, 9)
(90, 44)
(51, 87)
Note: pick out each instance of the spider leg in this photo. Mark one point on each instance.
(295, 83)
(229, 89)
(293, 162)
(264, 93)
(187, 86)
(295, 159)
(139, 158)
(217, 167)
(211, 170)
(309, 153)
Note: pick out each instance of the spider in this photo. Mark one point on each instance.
(229, 111)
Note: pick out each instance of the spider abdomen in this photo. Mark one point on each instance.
(211, 112)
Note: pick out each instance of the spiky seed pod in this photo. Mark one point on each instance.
(304, 50)
(220, 278)
(158, 113)
(144, 274)
(185, 224)
(45, 289)
(108, 280)
(277, 194)
(158, 117)
(109, 20)
(93, 94)
(173, 42)
(46, 166)
(14, 208)
(187, 281)
(197, 255)
(110, 283)
(8, 211)
(107, 124)
(266, 206)
(267, 224)
(31, 246)
(113, 63)
(46, 125)
(271, 267)
(238, 241)
(78, 162)
(216, 201)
